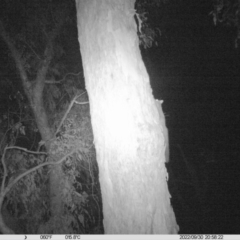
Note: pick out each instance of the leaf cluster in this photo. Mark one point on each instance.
(227, 12)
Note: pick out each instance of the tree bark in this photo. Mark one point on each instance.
(127, 129)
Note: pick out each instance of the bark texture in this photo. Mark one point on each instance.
(126, 124)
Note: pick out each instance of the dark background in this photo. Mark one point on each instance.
(195, 70)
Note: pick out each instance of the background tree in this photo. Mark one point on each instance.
(36, 46)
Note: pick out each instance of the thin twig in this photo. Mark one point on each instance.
(25, 150)
(61, 80)
(66, 113)
(4, 170)
(32, 50)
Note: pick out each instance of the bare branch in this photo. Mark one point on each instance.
(33, 50)
(63, 79)
(25, 150)
(4, 170)
(68, 110)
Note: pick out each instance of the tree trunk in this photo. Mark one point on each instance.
(126, 125)
(56, 173)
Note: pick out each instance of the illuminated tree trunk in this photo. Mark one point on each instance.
(127, 129)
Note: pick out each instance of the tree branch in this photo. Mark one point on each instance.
(17, 58)
(68, 110)
(63, 79)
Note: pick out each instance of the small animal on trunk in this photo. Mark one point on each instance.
(165, 130)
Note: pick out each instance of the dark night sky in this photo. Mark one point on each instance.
(196, 71)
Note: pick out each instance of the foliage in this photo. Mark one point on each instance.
(80, 187)
(57, 95)
(146, 32)
(228, 12)
(17, 125)
(32, 27)
(30, 193)
(18, 130)
(80, 183)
